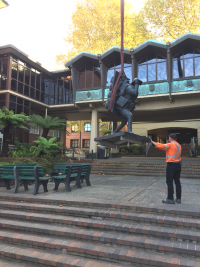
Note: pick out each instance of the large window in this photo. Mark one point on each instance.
(34, 130)
(18, 105)
(54, 133)
(87, 127)
(75, 143)
(3, 72)
(26, 80)
(127, 70)
(74, 128)
(152, 68)
(186, 63)
(86, 143)
(32, 83)
(89, 79)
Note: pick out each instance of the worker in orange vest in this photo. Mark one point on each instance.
(173, 171)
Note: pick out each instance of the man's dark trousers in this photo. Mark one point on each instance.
(173, 172)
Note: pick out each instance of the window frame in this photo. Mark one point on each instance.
(118, 68)
(31, 131)
(146, 63)
(39, 84)
(93, 69)
(85, 128)
(72, 141)
(174, 59)
(86, 142)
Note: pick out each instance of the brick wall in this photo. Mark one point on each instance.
(72, 136)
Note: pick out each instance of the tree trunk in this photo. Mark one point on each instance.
(45, 132)
(5, 141)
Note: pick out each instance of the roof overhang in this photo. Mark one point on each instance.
(111, 57)
(11, 49)
(82, 60)
(185, 40)
(150, 46)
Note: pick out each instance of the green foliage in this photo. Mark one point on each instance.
(106, 132)
(22, 150)
(16, 162)
(4, 163)
(48, 123)
(47, 162)
(28, 161)
(198, 150)
(141, 149)
(46, 147)
(169, 19)
(8, 118)
(132, 150)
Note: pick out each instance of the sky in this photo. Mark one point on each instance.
(38, 27)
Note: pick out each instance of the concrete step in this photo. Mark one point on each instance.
(104, 251)
(158, 174)
(92, 208)
(112, 224)
(10, 262)
(92, 234)
(144, 170)
(107, 214)
(48, 258)
(78, 228)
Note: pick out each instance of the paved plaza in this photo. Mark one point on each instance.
(120, 189)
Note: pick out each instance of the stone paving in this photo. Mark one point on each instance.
(120, 189)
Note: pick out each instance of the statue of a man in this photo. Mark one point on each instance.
(125, 99)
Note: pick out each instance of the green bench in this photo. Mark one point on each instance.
(7, 181)
(71, 172)
(23, 175)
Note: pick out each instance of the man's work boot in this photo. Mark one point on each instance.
(168, 201)
(178, 201)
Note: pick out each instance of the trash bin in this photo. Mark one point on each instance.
(101, 152)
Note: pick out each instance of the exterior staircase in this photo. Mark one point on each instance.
(50, 232)
(142, 169)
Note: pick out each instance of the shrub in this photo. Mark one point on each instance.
(141, 150)
(47, 162)
(198, 150)
(46, 147)
(132, 150)
(22, 150)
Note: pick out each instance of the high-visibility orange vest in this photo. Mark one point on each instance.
(173, 151)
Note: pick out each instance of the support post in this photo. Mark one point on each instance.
(169, 68)
(94, 130)
(103, 77)
(133, 66)
(74, 73)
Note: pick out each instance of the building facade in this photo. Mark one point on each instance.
(168, 101)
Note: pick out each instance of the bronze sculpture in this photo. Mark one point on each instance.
(125, 99)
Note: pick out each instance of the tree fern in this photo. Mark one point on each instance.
(48, 123)
(9, 120)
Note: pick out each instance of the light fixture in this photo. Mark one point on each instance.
(98, 55)
(168, 43)
(131, 49)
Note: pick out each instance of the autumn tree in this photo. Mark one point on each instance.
(96, 27)
(169, 19)
(78, 126)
